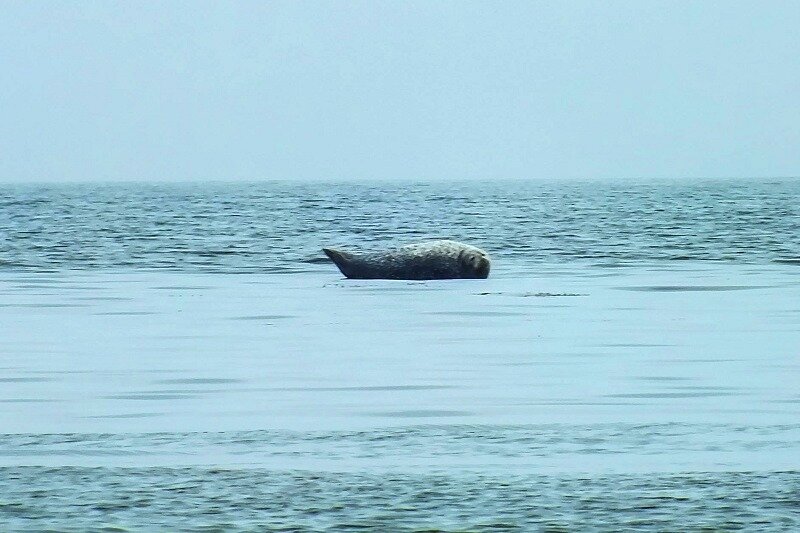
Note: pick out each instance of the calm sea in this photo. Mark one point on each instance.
(183, 357)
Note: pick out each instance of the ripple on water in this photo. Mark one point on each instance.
(124, 416)
(664, 395)
(127, 313)
(423, 413)
(199, 381)
(481, 314)
(695, 288)
(365, 388)
(43, 305)
(183, 287)
(37, 498)
(262, 317)
(25, 379)
(154, 396)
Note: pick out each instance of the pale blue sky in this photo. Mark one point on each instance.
(398, 90)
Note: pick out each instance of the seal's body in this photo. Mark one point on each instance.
(425, 260)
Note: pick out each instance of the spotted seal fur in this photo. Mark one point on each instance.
(420, 261)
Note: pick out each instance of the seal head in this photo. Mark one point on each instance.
(421, 261)
(475, 263)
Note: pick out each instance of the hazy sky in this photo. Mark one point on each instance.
(422, 90)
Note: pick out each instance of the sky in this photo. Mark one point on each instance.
(433, 90)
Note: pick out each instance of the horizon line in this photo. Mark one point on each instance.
(356, 181)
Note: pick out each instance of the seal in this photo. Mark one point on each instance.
(420, 261)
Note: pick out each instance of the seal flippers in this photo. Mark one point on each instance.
(343, 260)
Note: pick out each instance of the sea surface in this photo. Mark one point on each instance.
(184, 358)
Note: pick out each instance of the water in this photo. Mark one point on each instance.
(183, 357)
(275, 227)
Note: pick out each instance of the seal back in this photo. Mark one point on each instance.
(420, 261)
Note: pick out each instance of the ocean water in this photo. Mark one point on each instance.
(279, 227)
(183, 357)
